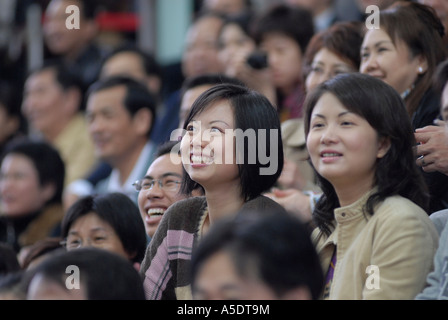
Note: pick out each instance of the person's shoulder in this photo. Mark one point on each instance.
(263, 203)
(189, 204)
(398, 210)
(185, 211)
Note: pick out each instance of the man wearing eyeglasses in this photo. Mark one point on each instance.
(160, 187)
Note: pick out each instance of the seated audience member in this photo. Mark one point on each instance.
(283, 33)
(404, 52)
(31, 187)
(129, 60)
(120, 114)
(233, 177)
(271, 257)
(373, 233)
(95, 275)
(160, 187)
(52, 105)
(241, 58)
(76, 48)
(125, 60)
(108, 221)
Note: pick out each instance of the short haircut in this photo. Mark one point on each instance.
(45, 158)
(104, 275)
(252, 111)
(65, 76)
(293, 21)
(275, 247)
(149, 62)
(120, 212)
(344, 39)
(137, 94)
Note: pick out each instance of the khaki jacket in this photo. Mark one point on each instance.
(386, 256)
(294, 148)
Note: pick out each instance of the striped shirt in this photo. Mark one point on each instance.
(165, 270)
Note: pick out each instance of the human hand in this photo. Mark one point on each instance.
(294, 201)
(433, 147)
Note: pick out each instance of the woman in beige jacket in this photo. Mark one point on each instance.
(374, 238)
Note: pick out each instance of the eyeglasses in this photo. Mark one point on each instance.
(166, 184)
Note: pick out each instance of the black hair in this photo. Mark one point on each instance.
(137, 94)
(252, 112)
(45, 158)
(274, 247)
(207, 79)
(120, 212)
(382, 107)
(293, 21)
(104, 275)
(149, 62)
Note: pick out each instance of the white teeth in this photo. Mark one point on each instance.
(201, 159)
(330, 154)
(156, 212)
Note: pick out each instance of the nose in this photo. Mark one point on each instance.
(197, 140)
(155, 192)
(329, 135)
(369, 64)
(95, 125)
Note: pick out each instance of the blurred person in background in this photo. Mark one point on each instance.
(31, 186)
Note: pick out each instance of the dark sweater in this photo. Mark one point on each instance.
(165, 268)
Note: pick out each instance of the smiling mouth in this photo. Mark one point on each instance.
(153, 212)
(201, 159)
(330, 155)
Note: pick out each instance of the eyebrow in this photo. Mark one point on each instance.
(376, 45)
(94, 229)
(164, 175)
(221, 121)
(339, 115)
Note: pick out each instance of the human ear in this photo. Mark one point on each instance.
(383, 146)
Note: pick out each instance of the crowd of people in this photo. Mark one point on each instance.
(302, 156)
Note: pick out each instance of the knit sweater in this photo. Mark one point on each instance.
(166, 266)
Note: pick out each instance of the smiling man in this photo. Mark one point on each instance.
(120, 112)
(160, 187)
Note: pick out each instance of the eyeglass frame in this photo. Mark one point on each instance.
(139, 187)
